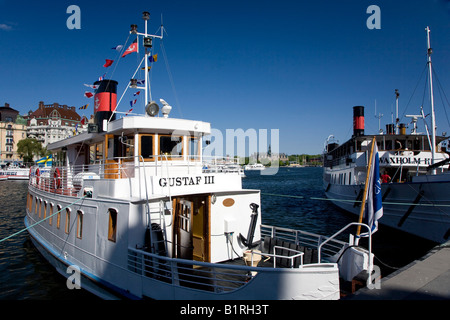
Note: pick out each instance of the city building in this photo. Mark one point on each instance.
(54, 122)
(12, 129)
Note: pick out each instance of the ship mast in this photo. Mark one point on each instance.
(433, 120)
(148, 44)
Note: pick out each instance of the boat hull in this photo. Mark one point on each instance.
(315, 281)
(421, 209)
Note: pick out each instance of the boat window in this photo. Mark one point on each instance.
(124, 146)
(36, 204)
(110, 151)
(388, 145)
(45, 209)
(50, 214)
(95, 152)
(67, 220)
(40, 207)
(194, 150)
(30, 202)
(58, 217)
(146, 146)
(79, 224)
(112, 225)
(171, 146)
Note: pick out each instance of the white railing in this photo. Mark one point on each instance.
(188, 273)
(69, 179)
(304, 239)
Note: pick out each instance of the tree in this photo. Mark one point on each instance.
(29, 148)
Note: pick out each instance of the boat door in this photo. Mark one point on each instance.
(191, 228)
(184, 234)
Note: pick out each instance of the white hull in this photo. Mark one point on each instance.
(120, 270)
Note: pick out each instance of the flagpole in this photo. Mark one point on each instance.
(363, 204)
(147, 85)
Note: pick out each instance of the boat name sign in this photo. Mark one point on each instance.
(186, 181)
(404, 160)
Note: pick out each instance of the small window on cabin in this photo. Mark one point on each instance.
(171, 146)
(58, 217)
(193, 148)
(92, 154)
(36, 204)
(110, 150)
(99, 151)
(147, 146)
(79, 224)
(112, 225)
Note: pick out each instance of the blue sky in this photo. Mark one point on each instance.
(297, 66)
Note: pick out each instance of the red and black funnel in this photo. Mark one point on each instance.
(105, 101)
(358, 121)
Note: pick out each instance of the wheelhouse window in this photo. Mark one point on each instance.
(112, 225)
(146, 146)
(171, 146)
(194, 151)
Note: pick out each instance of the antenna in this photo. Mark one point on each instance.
(379, 116)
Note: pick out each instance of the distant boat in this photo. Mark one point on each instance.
(414, 169)
(14, 172)
(255, 167)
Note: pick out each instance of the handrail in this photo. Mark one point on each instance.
(343, 229)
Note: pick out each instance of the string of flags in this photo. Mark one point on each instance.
(109, 62)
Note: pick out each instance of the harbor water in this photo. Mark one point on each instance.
(292, 198)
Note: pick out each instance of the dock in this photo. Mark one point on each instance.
(427, 278)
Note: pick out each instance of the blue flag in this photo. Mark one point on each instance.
(374, 197)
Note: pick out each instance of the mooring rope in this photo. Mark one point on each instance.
(40, 221)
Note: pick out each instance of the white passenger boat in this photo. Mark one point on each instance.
(414, 168)
(14, 173)
(129, 205)
(254, 167)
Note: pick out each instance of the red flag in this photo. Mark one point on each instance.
(88, 94)
(132, 48)
(108, 63)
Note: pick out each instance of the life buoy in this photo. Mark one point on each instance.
(57, 178)
(37, 176)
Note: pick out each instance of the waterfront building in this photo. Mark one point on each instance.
(54, 122)
(12, 129)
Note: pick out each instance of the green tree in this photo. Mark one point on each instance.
(29, 148)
